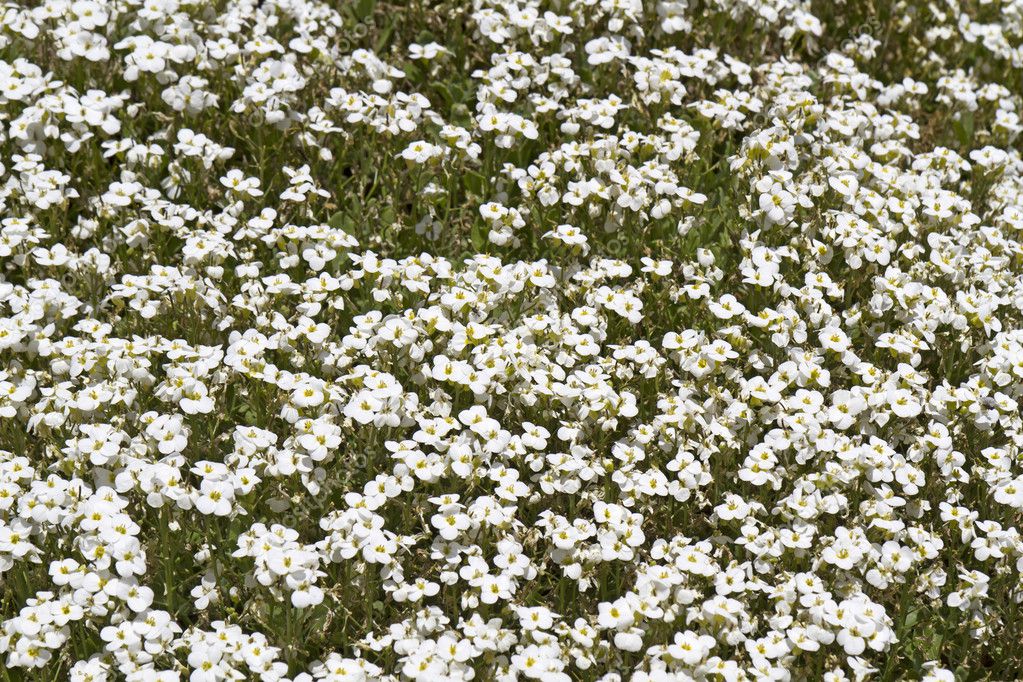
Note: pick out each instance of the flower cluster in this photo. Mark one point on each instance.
(511, 340)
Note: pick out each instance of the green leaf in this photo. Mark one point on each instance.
(385, 36)
(479, 237)
(474, 182)
(964, 128)
(412, 72)
(387, 216)
(364, 8)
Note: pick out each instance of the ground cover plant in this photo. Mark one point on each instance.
(511, 340)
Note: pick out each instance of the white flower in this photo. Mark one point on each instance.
(904, 403)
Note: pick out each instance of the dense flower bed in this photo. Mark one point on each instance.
(505, 339)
